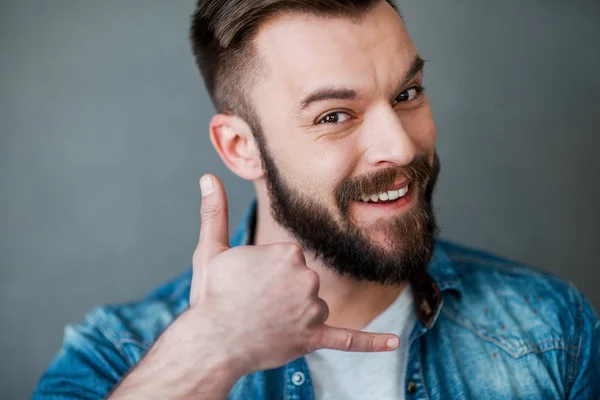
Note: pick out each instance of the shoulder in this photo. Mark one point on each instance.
(482, 272)
(522, 309)
(127, 330)
(139, 323)
(112, 339)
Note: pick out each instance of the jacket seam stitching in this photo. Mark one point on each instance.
(515, 268)
(573, 364)
(486, 332)
(423, 379)
(534, 348)
(111, 338)
(134, 342)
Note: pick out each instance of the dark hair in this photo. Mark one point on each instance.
(221, 34)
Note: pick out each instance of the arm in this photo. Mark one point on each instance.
(168, 372)
(89, 364)
(230, 329)
(586, 384)
(92, 362)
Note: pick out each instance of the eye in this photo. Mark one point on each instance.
(409, 94)
(334, 118)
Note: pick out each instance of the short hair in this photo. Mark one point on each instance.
(221, 35)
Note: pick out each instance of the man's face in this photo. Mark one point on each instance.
(349, 141)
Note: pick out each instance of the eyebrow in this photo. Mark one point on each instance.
(332, 93)
(415, 67)
(327, 93)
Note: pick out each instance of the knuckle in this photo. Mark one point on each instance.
(311, 279)
(210, 211)
(349, 340)
(372, 344)
(292, 251)
(314, 310)
(278, 248)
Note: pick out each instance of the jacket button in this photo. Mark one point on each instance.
(411, 387)
(298, 378)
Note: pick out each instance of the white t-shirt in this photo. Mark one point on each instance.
(338, 375)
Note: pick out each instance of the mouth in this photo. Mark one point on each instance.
(397, 199)
(397, 192)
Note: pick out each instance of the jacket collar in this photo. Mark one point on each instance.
(428, 288)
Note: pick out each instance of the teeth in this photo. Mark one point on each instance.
(393, 194)
(384, 196)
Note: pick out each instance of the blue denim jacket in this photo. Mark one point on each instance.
(487, 328)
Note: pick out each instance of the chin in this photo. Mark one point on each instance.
(380, 239)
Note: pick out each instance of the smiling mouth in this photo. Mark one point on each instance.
(388, 196)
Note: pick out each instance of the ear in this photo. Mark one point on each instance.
(232, 137)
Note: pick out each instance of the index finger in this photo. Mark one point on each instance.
(356, 341)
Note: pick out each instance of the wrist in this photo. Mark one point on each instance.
(187, 361)
(198, 354)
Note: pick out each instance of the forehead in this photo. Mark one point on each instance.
(302, 52)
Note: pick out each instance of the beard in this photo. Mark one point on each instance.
(345, 247)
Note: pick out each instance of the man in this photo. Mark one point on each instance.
(335, 286)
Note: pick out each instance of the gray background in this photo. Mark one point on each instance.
(103, 137)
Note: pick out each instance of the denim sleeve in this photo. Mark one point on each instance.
(586, 384)
(90, 363)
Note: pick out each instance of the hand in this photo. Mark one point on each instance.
(263, 301)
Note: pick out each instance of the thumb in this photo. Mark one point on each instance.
(214, 229)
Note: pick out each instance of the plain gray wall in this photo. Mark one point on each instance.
(103, 137)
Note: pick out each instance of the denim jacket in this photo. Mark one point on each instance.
(487, 328)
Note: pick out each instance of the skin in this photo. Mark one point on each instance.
(302, 53)
(232, 325)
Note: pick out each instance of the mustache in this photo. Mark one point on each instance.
(418, 171)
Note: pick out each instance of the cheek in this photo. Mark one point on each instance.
(314, 168)
(422, 129)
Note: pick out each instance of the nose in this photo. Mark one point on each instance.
(386, 140)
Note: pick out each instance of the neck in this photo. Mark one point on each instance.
(352, 304)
